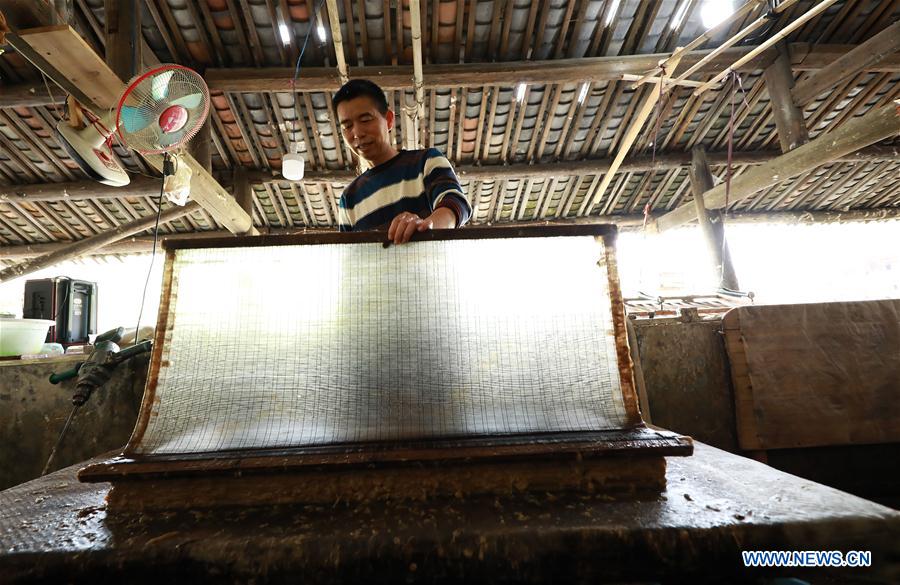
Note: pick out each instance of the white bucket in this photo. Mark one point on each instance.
(22, 336)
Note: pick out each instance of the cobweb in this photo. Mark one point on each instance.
(290, 346)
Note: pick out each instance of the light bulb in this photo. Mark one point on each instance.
(292, 166)
(715, 11)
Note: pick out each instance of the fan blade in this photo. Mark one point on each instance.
(159, 87)
(170, 139)
(136, 119)
(189, 101)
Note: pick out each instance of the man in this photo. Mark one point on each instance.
(413, 190)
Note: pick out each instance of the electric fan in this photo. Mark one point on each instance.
(162, 109)
(159, 111)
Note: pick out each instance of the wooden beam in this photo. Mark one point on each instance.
(806, 58)
(141, 186)
(200, 146)
(143, 244)
(711, 221)
(73, 250)
(29, 95)
(875, 125)
(788, 117)
(64, 56)
(861, 58)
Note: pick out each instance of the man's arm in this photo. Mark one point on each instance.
(406, 224)
(445, 195)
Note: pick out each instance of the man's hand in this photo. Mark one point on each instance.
(406, 224)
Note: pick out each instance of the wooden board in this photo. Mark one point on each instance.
(715, 505)
(80, 70)
(66, 51)
(816, 374)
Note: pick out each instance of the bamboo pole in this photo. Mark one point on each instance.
(418, 77)
(709, 34)
(637, 123)
(783, 33)
(335, 21)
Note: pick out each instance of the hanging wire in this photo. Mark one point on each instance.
(312, 21)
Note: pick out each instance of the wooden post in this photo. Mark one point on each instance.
(788, 117)
(711, 221)
(242, 192)
(123, 35)
(876, 124)
(88, 244)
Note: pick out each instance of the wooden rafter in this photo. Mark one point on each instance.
(860, 58)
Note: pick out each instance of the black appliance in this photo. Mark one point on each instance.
(71, 303)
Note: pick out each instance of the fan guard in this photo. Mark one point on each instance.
(162, 109)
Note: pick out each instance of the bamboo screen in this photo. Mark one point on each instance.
(304, 345)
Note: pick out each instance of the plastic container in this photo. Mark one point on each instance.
(22, 336)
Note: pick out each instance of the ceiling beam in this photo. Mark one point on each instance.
(875, 125)
(141, 186)
(861, 58)
(144, 244)
(29, 95)
(65, 57)
(69, 250)
(804, 57)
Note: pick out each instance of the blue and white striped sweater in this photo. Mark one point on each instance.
(418, 181)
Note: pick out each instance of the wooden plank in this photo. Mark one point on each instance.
(875, 125)
(76, 66)
(815, 374)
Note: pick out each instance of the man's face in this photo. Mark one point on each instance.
(366, 130)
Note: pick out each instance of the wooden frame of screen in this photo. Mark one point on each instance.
(636, 440)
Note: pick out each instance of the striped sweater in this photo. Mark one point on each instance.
(418, 181)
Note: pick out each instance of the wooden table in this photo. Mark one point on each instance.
(716, 505)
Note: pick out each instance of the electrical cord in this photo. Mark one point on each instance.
(167, 170)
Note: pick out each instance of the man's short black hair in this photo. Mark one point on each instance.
(361, 87)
